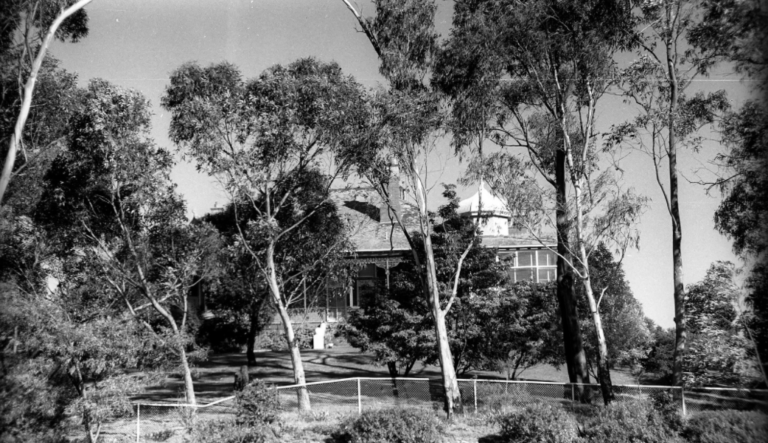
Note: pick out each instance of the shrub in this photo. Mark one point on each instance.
(274, 340)
(227, 431)
(539, 422)
(727, 426)
(222, 334)
(669, 409)
(513, 396)
(627, 422)
(391, 426)
(257, 404)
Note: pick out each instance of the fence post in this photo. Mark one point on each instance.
(359, 398)
(573, 393)
(138, 420)
(682, 397)
(474, 392)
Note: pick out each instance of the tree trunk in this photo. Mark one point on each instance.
(29, 90)
(603, 370)
(189, 386)
(253, 330)
(674, 212)
(293, 344)
(448, 371)
(392, 367)
(575, 357)
(298, 366)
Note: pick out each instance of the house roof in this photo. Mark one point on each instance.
(359, 206)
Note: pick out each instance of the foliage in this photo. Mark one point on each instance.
(109, 197)
(398, 328)
(734, 30)
(257, 404)
(528, 75)
(622, 315)
(539, 422)
(70, 362)
(627, 422)
(401, 425)
(56, 100)
(228, 431)
(222, 334)
(719, 352)
(268, 139)
(659, 358)
(274, 340)
(727, 426)
(671, 116)
(508, 329)
(743, 213)
(669, 408)
(397, 337)
(26, 22)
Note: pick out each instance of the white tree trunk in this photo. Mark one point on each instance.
(290, 337)
(29, 90)
(189, 386)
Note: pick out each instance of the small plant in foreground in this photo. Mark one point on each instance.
(257, 404)
(228, 431)
(391, 426)
(669, 408)
(539, 422)
(627, 422)
(727, 426)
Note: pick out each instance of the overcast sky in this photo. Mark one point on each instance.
(137, 43)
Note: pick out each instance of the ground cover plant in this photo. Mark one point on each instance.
(727, 426)
(539, 422)
(391, 425)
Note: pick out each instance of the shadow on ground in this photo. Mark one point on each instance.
(214, 378)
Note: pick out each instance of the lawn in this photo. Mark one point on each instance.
(331, 403)
(215, 377)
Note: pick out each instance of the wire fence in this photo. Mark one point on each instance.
(154, 421)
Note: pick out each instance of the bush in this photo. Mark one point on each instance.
(274, 340)
(669, 409)
(257, 404)
(727, 426)
(222, 334)
(513, 396)
(539, 422)
(227, 431)
(627, 422)
(391, 426)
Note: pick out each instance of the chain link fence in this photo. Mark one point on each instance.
(155, 421)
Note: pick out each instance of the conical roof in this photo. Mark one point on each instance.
(491, 204)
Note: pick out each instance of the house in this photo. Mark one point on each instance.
(381, 245)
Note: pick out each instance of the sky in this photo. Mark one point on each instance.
(138, 43)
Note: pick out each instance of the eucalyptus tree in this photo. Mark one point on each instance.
(110, 197)
(273, 141)
(26, 26)
(545, 64)
(659, 83)
(409, 119)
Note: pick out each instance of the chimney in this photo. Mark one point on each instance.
(392, 188)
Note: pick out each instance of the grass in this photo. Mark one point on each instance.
(215, 377)
(331, 403)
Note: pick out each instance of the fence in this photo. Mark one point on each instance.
(355, 395)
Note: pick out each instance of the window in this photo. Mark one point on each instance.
(535, 265)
